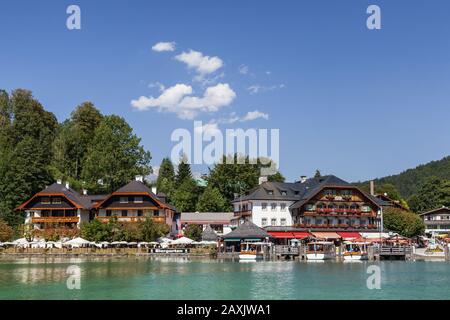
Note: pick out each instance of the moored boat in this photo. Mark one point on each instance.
(320, 251)
(356, 251)
(250, 251)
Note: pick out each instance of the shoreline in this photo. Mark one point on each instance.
(417, 258)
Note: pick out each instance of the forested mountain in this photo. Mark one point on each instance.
(410, 181)
(423, 188)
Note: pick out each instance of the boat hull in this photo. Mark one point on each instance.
(319, 256)
(250, 257)
(356, 257)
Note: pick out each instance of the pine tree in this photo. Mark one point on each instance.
(317, 174)
(166, 177)
(184, 172)
(25, 136)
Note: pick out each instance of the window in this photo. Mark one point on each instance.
(156, 213)
(264, 206)
(270, 192)
(284, 193)
(123, 199)
(273, 221)
(347, 192)
(45, 200)
(264, 222)
(56, 200)
(108, 213)
(273, 206)
(138, 199)
(283, 207)
(140, 213)
(124, 213)
(283, 221)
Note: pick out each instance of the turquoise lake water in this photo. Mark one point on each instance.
(151, 278)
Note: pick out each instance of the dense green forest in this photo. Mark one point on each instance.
(423, 188)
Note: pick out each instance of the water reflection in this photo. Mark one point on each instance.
(183, 278)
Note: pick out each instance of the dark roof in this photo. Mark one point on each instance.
(209, 234)
(436, 210)
(300, 192)
(247, 230)
(135, 186)
(385, 201)
(140, 187)
(74, 196)
(290, 191)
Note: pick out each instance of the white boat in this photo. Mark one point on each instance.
(250, 251)
(355, 251)
(320, 251)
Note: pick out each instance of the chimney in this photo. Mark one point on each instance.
(85, 192)
(262, 180)
(139, 178)
(67, 185)
(59, 181)
(372, 187)
(303, 179)
(154, 190)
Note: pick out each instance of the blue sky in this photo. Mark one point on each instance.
(350, 101)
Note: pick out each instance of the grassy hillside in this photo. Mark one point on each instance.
(409, 181)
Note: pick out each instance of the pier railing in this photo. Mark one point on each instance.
(395, 251)
(287, 250)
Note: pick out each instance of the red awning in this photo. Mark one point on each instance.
(289, 235)
(350, 235)
(326, 235)
(282, 235)
(301, 235)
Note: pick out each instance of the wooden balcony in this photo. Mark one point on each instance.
(339, 212)
(242, 213)
(54, 219)
(133, 219)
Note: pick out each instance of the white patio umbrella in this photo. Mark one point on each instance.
(182, 240)
(103, 244)
(77, 243)
(21, 242)
(164, 240)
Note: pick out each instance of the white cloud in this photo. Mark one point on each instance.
(243, 69)
(164, 46)
(253, 115)
(203, 65)
(208, 129)
(170, 97)
(158, 85)
(213, 99)
(254, 89)
(250, 116)
(178, 100)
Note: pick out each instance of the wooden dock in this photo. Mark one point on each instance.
(395, 253)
